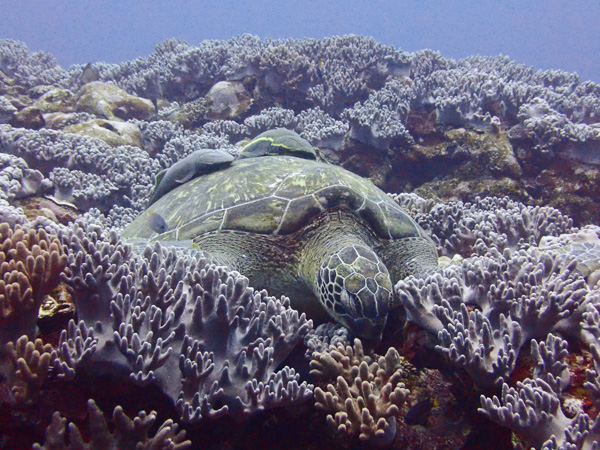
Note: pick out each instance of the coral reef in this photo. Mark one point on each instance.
(406, 120)
(148, 320)
(497, 162)
(31, 262)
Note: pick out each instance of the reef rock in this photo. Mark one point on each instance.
(110, 102)
(227, 100)
(113, 132)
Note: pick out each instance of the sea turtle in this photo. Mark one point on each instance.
(315, 232)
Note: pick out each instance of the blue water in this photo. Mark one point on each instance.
(546, 34)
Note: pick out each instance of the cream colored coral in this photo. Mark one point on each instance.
(32, 362)
(367, 395)
(31, 262)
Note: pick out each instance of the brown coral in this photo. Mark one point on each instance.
(30, 265)
(128, 433)
(31, 361)
(367, 395)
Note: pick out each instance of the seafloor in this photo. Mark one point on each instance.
(105, 347)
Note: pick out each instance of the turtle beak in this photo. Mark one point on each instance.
(366, 328)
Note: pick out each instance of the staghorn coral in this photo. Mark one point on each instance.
(367, 396)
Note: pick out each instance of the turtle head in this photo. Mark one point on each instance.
(355, 288)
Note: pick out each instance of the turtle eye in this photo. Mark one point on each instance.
(350, 303)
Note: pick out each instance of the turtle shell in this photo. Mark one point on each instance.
(272, 195)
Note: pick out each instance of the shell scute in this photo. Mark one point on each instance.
(259, 216)
(299, 213)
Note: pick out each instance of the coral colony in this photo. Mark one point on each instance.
(105, 343)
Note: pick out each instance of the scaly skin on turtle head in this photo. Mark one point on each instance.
(355, 288)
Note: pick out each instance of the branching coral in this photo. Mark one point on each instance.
(367, 396)
(128, 433)
(31, 262)
(168, 316)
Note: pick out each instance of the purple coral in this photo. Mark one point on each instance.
(168, 315)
